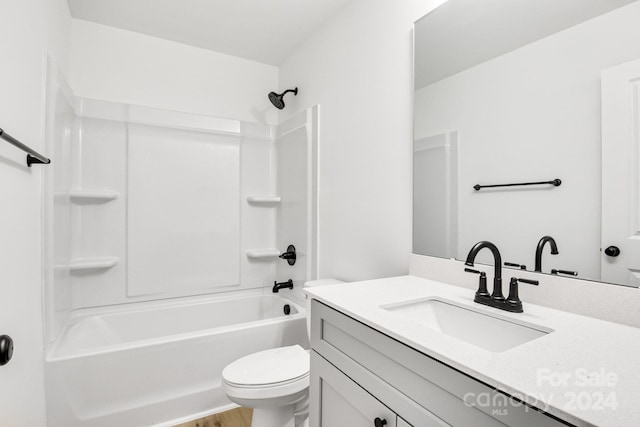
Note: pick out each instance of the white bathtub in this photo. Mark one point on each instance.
(156, 363)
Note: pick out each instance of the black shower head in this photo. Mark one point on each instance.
(277, 100)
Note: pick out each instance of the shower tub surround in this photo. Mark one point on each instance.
(149, 204)
(153, 220)
(155, 363)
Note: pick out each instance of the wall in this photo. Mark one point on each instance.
(30, 29)
(116, 65)
(542, 122)
(358, 67)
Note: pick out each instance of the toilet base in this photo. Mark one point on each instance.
(281, 416)
(292, 415)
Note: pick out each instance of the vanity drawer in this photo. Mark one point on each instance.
(360, 378)
(419, 384)
(338, 401)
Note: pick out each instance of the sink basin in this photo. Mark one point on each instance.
(473, 326)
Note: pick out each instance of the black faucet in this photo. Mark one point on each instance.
(512, 303)
(496, 295)
(541, 243)
(283, 285)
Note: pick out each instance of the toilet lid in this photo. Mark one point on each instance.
(276, 365)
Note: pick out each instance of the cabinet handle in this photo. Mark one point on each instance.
(379, 422)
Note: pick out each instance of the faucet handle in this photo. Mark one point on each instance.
(567, 272)
(513, 264)
(513, 300)
(482, 284)
(528, 281)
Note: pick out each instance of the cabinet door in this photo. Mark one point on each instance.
(337, 401)
(403, 423)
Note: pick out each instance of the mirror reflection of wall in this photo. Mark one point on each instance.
(517, 87)
(435, 161)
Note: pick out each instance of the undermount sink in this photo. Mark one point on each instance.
(467, 324)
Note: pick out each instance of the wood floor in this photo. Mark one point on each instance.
(239, 417)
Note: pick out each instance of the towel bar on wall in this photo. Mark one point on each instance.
(556, 183)
(32, 155)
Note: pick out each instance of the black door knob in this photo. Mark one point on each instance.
(6, 349)
(613, 251)
(379, 423)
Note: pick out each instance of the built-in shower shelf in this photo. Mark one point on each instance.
(101, 195)
(263, 200)
(102, 263)
(263, 253)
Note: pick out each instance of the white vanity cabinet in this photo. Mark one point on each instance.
(344, 403)
(359, 374)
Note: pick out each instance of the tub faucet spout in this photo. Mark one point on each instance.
(283, 285)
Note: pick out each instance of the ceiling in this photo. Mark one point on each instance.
(463, 33)
(266, 31)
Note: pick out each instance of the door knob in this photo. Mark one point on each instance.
(6, 349)
(379, 422)
(612, 251)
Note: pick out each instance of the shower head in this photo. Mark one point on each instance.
(277, 100)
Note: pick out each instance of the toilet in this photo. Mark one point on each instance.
(274, 382)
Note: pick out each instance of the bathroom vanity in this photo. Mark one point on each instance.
(403, 352)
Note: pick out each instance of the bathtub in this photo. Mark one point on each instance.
(155, 364)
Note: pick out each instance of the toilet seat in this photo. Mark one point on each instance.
(268, 374)
(266, 395)
(275, 366)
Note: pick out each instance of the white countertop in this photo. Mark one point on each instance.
(579, 348)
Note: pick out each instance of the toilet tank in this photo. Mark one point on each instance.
(311, 284)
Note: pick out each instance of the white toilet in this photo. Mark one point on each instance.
(274, 382)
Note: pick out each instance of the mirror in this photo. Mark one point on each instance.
(509, 92)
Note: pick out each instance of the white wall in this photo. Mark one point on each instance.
(534, 115)
(30, 28)
(358, 67)
(116, 65)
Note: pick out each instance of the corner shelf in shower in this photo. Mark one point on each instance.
(95, 196)
(84, 264)
(263, 253)
(263, 200)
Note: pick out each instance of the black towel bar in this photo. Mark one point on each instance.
(556, 183)
(32, 155)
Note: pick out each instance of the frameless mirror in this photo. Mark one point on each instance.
(530, 91)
